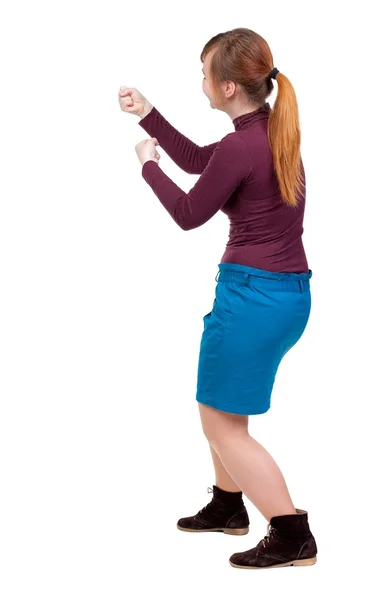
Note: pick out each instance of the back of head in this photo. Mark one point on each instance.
(244, 57)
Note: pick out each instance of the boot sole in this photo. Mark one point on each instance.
(304, 562)
(228, 530)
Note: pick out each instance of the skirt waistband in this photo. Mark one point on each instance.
(268, 279)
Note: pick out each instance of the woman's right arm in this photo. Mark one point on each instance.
(186, 154)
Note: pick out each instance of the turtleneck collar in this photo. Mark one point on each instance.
(245, 120)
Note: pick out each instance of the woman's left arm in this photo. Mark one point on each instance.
(228, 166)
(186, 154)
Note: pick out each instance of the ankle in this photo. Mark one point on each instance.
(220, 487)
(227, 496)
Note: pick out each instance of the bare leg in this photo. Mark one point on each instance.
(255, 471)
(222, 478)
(247, 462)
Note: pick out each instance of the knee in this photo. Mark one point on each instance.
(222, 428)
(218, 438)
(213, 434)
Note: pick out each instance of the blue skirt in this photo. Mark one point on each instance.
(256, 317)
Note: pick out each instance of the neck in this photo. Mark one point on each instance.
(244, 119)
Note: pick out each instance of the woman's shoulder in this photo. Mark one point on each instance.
(234, 140)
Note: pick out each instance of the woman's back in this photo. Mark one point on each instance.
(265, 232)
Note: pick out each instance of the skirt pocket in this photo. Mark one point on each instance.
(221, 308)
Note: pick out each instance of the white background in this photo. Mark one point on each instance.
(102, 299)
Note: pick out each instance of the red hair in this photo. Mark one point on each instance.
(243, 56)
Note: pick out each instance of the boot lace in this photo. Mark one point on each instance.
(269, 537)
(209, 491)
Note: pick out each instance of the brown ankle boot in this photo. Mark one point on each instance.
(226, 512)
(289, 542)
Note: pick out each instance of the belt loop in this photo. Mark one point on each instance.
(216, 276)
(300, 285)
(246, 279)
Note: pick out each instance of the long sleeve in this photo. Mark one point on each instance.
(188, 156)
(228, 167)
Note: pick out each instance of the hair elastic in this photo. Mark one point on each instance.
(273, 73)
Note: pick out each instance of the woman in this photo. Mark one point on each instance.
(262, 298)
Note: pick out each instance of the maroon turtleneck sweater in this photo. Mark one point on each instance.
(237, 177)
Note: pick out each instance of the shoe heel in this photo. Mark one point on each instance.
(236, 531)
(305, 562)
